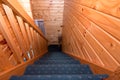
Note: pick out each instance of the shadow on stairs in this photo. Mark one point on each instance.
(56, 65)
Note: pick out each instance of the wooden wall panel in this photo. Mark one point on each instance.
(51, 11)
(91, 33)
(110, 7)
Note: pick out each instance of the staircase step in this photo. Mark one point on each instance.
(56, 58)
(57, 62)
(60, 77)
(58, 69)
(58, 66)
(56, 54)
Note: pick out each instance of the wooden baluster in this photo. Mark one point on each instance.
(16, 28)
(34, 32)
(33, 42)
(30, 39)
(28, 32)
(38, 42)
(37, 38)
(25, 35)
(4, 23)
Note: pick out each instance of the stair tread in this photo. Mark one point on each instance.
(59, 69)
(83, 65)
(58, 66)
(56, 58)
(57, 62)
(61, 77)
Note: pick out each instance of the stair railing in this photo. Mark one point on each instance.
(21, 41)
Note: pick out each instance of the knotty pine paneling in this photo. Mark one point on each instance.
(111, 7)
(51, 11)
(91, 32)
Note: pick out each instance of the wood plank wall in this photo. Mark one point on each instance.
(51, 11)
(21, 41)
(91, 33)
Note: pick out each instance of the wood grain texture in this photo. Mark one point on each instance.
(18, 9)
(18, 70)
(51, 11)
(91, 34)
(10, 37)
(21, 42)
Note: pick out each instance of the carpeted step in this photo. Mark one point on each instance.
(57, 62)
(56, 65)
(55, 54)
(58, 69)
(60, 77)
(56, 58)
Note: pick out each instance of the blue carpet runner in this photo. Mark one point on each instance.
(56, 65)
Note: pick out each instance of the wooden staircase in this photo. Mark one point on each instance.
(21, 41)
(56, 65)
(90, 35)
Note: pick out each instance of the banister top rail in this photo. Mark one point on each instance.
(18, 9)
